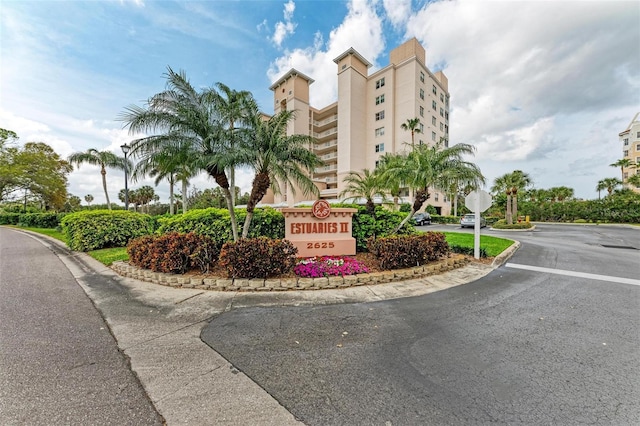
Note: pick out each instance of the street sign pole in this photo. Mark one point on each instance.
(476, 230)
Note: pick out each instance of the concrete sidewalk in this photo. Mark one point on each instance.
(159, 328)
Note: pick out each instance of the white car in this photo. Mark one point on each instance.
(469, 220)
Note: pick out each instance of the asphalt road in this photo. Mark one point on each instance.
(552, 337)
(59, 363)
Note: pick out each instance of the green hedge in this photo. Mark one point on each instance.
(32, 220)
(92, 230)
(366, 226)
(609, 210)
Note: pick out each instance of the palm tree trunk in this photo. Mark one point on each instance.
(103, 172)
(422, 195)
(514, 200)
(184, 196)
(171, 198)
(508, 216)
(260, 186)
(221, 179)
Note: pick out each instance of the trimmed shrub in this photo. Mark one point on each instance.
(366, 226)
(173, 253)
(9, 218)
(258, 258)
(502, 224)
(96, 229)
(405, 251)
(41, 220)
(435, 218)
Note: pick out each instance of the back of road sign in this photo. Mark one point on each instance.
(470, 201)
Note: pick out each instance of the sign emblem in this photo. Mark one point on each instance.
(321, 209)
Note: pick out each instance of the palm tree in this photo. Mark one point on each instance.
(183, 115)
(89, 199)
(466, 179)
(367, 185)
(104, 159)
(561, 193)
(235, 109)
(173, 162)
(391, 183)
(623, 163)
(427, 167)
(275, 157)
(412, 125)
(511, 183)
(609, 184)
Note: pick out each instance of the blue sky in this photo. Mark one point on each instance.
(544, 86)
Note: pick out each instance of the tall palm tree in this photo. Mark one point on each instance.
(413, 126)
(609, 184)
(104, 159)
(173, 162)
(392, 183)
(235, 109)
(275, 157)
(89, 199)
(511, 183)
(183, 115)
(426, 168)
(367, 185)
(623, 163)
(465, 179)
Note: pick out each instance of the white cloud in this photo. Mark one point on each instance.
(283, 29)
(361, 29)
(397, 11)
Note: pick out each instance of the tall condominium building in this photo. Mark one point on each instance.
(365, 122)
(630, 140)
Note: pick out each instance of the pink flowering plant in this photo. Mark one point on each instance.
(324, 266)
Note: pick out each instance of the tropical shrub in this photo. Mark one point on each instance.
(258, 258)
(435, 218)
(41, 220)
(502, 224)
(365, 226)
(173, 252)
(96, 229)
(405, 251)
(324, 266)
(9, 218)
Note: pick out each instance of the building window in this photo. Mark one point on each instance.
(344, 66)
(421, 111)
(441, 127)
(380, 147)
(380, 83)
(626, 175)
(379, 99)
(435, 90)
(434, 105)
(421, 128)
(637, 161)
(625, 153)
(446, 115)
(446, 129)
(377, 163)
(433, 120)
(422, 80)
(626, 142)
(435, 196)
(379, 115)
(638, 147)
(379, 131)
(421, 93)
(421, 142)
(433, 136)
(441, 97)
(638, 135)
(441, 112)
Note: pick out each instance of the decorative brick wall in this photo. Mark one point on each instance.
(282, 284)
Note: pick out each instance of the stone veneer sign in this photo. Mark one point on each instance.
(320, 230)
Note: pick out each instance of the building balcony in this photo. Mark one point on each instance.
(329, 157)
(325, 169)
(325, 134)
(325, 146)
(329, 192)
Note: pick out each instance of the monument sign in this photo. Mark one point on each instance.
(320, 230)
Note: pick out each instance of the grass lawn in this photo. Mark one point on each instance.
(493, 245)
(109, 255)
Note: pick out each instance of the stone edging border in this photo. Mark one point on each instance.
(281, 284)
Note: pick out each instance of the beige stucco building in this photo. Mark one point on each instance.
(365, 122)
(630, 141)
